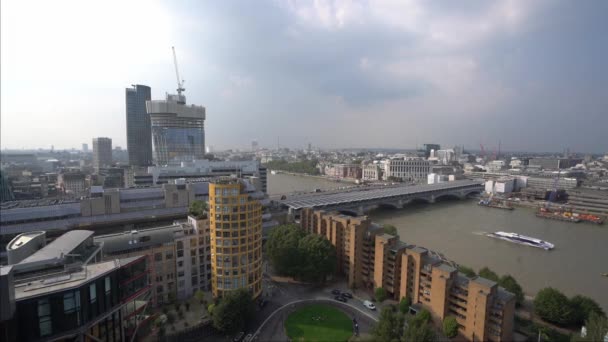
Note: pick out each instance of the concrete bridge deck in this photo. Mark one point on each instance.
(366, 198)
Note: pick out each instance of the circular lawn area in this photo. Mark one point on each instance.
(318, 322)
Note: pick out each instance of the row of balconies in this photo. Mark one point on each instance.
(460, 317)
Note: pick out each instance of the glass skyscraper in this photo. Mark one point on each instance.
(139, 135)
(178, 130)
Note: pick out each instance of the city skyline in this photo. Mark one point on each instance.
(334, 74)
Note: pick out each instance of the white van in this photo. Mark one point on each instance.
(369, 305)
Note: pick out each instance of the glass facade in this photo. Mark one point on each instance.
(67, 312)
(178, 130)
(173, 143)
(139, 136)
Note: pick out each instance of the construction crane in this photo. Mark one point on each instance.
(180, 83)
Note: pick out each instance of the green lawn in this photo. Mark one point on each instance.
(318, 322)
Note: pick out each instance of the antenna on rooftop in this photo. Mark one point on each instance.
(180, 83)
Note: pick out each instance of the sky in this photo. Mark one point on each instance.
(394, 74)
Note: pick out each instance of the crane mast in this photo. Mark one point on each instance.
(180, 82)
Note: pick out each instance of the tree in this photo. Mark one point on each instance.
(211, 308)
(583, 307)
(282, 248)
(233, 311)
(450, 326)
(596, 329)
(295, 253)
(488, 274)
(420, 318)
(404, 305)
(318, 257)
(469, 272)
(389, 326)
(511, 285)
(553, 306)
(380, 294)
(199, 295)
(198, 209)
(419, 333)
(303, 166)
(390, 229)
(419, 329)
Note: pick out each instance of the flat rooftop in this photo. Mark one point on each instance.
(63, 281)
(59, 247)
(484, 281)
(145, 238)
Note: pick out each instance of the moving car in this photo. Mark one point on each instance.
(369, 305)
(340, 299)
(347, 295)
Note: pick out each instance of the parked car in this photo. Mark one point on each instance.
(369, 305)
(238, 337)
(340, 299)
(347, 295)
(335, 292)
(248, 338)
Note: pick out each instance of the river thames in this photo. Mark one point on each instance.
(455, 228)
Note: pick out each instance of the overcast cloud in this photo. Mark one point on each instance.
(532, 74)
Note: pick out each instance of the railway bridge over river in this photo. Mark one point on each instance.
(362, 200)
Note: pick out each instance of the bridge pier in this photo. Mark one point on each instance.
(399, 204)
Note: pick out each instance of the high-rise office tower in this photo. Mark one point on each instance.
(236, 238)
(102, 153)
(85, 148)
(178, 130)
(139, 134)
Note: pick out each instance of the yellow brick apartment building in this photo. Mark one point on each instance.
(371, 259)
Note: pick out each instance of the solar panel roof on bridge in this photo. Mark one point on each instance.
(367, 194)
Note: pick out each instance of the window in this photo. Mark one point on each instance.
(44, 317)
(180, 253)
(158, 257)
(108, 285)
(169, 255)
(159, 289)
(92, 293)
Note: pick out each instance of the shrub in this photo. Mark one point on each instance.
(380, 294)
(450, 327)
(553, 306)
(404, 305)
